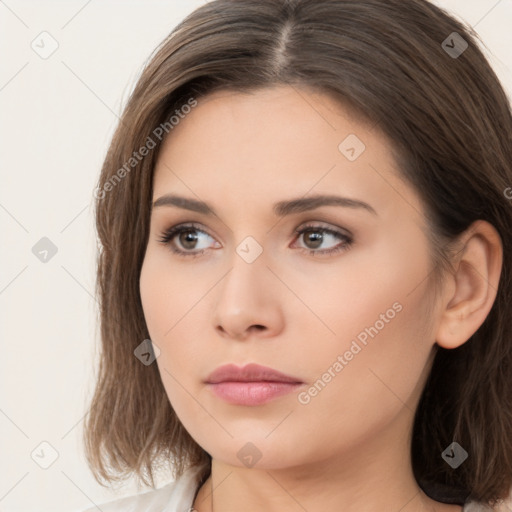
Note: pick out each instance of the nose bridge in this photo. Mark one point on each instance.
(245, 298)
(245, 280)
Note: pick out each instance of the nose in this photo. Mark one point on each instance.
(248, 302)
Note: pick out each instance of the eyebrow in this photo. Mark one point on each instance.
(281, 208)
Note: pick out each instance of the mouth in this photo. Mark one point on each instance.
(251, 393)
(250, 385)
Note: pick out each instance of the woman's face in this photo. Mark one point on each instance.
(343, 311)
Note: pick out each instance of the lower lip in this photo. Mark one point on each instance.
(251, 393)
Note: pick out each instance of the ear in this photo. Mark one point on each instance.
(471, 291)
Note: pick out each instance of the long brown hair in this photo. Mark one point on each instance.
(401, 68)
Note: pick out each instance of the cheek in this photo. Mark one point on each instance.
(357, 388)
(378, 312)
(385, 346)
(171, 302)
(167, 294)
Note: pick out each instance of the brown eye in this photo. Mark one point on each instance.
(184, 240)
(188, 238)
(313, 239)
(316, 236)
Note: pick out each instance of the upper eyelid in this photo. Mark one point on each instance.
(323, 225)
(303, 225)
(320, 225)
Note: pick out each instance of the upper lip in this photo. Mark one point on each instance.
(248, 373)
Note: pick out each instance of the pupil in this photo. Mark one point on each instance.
(314, 236)
(188, 239)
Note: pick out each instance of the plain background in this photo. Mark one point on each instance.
(58, 115)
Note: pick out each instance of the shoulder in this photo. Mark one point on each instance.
(173, 497)
(477, 506)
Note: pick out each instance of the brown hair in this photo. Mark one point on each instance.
(450, 125)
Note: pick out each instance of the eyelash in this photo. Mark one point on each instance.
(172, 232)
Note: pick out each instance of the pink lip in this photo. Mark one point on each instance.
(250, 385)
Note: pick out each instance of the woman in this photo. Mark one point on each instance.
(304, 271)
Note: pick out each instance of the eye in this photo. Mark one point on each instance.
(183, 240)
(187, 237)
(316, 235)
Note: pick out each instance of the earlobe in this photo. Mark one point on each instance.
(474, 285)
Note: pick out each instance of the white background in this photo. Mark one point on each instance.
(58, 115)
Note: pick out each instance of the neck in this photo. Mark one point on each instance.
(375, 475)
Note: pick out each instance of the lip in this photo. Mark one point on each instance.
(248, 373)
(252, 384)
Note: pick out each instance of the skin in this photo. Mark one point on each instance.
(348, 448)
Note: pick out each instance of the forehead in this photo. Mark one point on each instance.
(272, 144)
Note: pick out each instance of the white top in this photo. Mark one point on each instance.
(178, 496)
